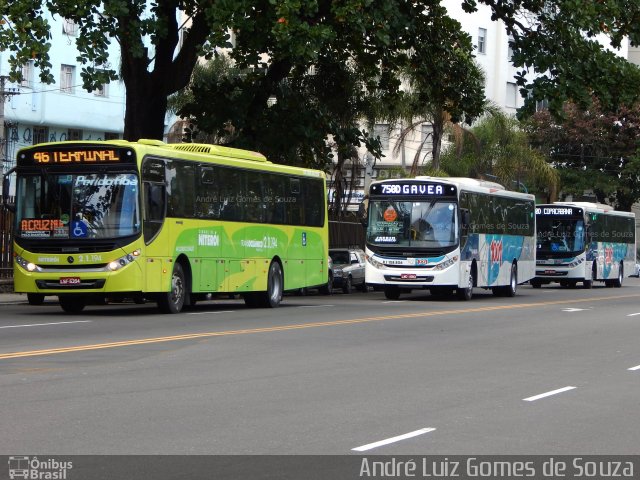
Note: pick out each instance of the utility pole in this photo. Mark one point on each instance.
(4, 95)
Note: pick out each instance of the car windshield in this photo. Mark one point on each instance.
(77, 206)
(427, 224)
(340, 258)
(560, 234)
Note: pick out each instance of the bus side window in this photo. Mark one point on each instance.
(154, 208)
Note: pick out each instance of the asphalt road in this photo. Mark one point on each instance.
(551, 371)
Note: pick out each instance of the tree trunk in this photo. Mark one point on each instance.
(145, 112)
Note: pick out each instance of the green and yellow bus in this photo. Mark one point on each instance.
(170, 223)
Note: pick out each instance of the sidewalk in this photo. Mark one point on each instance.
(7, 294)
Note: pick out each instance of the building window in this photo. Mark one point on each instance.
(66, 78)
(482, 40)
(512, 95)
(74, 134)
(69, 27)
(111, 136)
(542, 105)
(426, 138)
(40, 135)
(510, 49)
(27, 75)
(382, 130)
(101, 91)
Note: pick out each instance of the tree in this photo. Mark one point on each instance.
(161, 41)
(560, 59)
(594, 149)
(498, 148)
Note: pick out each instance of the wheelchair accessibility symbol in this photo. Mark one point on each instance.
(78, 229)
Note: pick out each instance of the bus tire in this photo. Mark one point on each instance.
(511, 289)
(588, 282)
(617, 283)
(392, 293)
(71, 303)
(275, 287)
(173, 300)
(328, 288)
(35, 298)
(466, 293)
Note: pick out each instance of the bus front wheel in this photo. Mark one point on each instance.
(173, 300)
(72, 303)
(392, 293)
(35, 298)
(466, 293)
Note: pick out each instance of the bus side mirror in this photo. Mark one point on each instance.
(5, 193)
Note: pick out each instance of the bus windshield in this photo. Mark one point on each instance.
(557, 235)
(78, 206)
(424, 224)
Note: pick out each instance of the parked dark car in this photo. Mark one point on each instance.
(348, 269)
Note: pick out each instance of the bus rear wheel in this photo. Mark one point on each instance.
(275, 288)
(173, 300)
(511, 289)
(617, 283)
(72, 303)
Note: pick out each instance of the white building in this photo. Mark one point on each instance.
(35, 112)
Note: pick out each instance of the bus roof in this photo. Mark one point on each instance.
(192, 151)
(592, 207)
(470, 184)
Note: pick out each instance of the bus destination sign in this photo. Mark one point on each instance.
(414, 189)
(76, 156)
(559, 211)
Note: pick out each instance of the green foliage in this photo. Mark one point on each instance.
(594, 149)
(555, 40)
(378, 38)
(497, 147)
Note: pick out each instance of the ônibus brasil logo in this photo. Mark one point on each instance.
(36, 469)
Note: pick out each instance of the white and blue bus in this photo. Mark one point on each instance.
(446, 234)
(583, 242)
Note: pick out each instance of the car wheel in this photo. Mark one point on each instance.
(346, 288)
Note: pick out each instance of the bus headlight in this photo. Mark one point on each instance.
(123, 261)
(446, 263)
(375, 263)
(575, 263)
(28, 266)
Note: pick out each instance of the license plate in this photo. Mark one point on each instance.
(69, 280)
(550, 272)
(408, 276)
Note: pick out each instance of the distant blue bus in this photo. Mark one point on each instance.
(583, 242)
(448, 234)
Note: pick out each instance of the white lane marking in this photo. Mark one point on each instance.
(207, 313)
(637, 367)
(633, 314)
(370, 446)
(315, 306)
(571, 309)
(548, 394)
(394, 301)
(41, 324)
